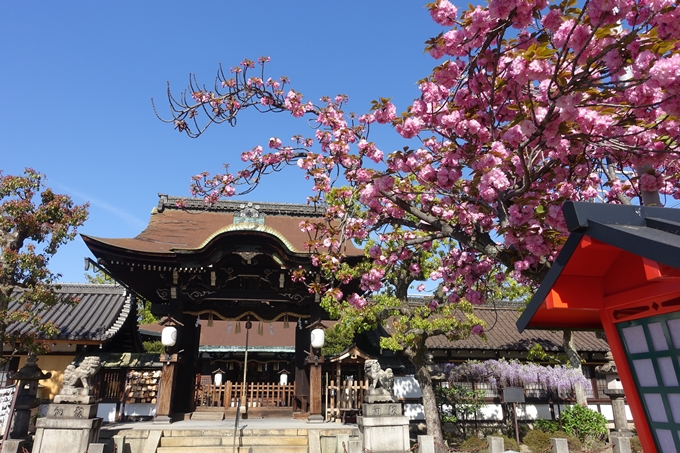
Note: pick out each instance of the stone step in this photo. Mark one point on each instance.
(207, 415)
(213, 441)
(241, 449)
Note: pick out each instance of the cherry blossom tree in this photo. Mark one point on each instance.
(34, 222)
(530, 104)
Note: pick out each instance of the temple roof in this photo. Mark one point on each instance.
(98, 316)
(180, 225)
(614, 255)
(502, 335)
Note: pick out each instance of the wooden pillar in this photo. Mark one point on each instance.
(188, 337)
(315, 390)
(164, 406)
(301, 373)
(315, 360)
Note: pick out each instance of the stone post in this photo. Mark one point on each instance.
(496, 444)
(615, 392)
(621, 444)
(425, 444)
(559, 445)
(28, 375)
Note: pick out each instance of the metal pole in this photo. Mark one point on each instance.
(514, 409)
(243, 407)
(242, 403)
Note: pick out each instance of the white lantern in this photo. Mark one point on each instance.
(218, 378)
(283, 378)
(318, 338)
(169, 336)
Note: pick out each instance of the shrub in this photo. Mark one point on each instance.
(547, 426)
(584, 423)
(509, 430)
(635, 446)
(153, 347)
(510, 443)
(473, 444)
(537, 441)
(574, 442)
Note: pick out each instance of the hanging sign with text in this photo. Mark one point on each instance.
(7, 395)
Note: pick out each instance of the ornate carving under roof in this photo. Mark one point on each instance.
(221, 256)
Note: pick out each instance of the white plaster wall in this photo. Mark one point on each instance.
(406, 387)
(107, 411)
(490, 412)
(140, 410)
(533, 411)
(414, 411)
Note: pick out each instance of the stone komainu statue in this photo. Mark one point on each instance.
(378, 378)
(76, 378)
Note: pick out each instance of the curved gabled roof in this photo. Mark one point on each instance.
(99, 314)
(179, 226)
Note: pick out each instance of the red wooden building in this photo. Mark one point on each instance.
(620, 271)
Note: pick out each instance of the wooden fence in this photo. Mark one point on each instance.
(258, 394)
(344, 397)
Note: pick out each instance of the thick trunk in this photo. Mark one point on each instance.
(574, 362)
(432, 419)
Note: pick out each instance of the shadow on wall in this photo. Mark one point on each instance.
(55, 364)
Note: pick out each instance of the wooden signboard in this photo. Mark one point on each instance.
(7, 400)
(513, 395)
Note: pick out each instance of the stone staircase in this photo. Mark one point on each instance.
(223, 441)
(274, 438)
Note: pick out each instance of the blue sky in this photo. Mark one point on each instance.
(77, 78)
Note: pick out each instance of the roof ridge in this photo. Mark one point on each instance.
(265, 207)
(95, 288)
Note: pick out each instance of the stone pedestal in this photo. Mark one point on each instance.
(619, 410)
(382, 409)
(67, 427)
(382, 432)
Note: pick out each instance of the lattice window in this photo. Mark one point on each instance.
(490, 390)
(653, 352)
(108, 385)
(535, 391)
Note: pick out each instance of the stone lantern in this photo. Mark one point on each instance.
(615, 392)
(27, 400)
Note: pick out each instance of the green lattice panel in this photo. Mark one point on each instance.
(653, 350)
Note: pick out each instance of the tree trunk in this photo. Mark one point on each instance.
(649, 198)
(569, 346)
(4, 304)
(432, 419)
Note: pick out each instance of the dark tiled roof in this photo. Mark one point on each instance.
(502, 335)
(99, 314)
